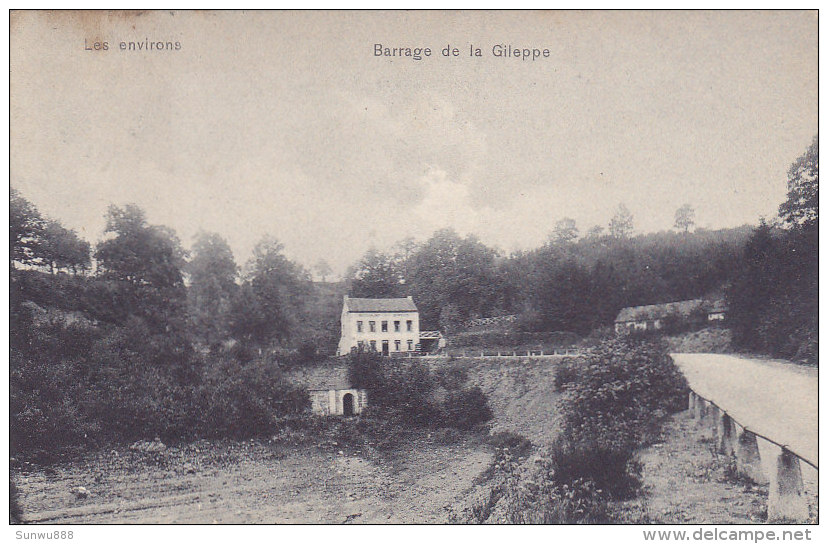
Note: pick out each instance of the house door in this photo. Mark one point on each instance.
(348, 404)
(385, 348)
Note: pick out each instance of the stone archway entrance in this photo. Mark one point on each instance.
(348, 404)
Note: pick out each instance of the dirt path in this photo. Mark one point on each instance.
(256, 483)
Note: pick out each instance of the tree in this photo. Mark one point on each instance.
(450, 320)
(146, 263)
(63, 249)
(377, 275)
(754, 286)
(562, 301)
(595, 232)
(271, 300)
(621, 224)
(213, 273)
(685, 218)
(448, 269)
(802, 205)
(773, 302)
(25, 231)
(322, 269)
(565, 231)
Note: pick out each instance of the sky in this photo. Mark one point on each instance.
(287, 124)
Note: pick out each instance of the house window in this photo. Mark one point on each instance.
(385, 326)
(372, 326)
(396, 327)
(361, 345)
(410, 344)
(359, 326)
(396, 345)
(373, 345)
(408, 325)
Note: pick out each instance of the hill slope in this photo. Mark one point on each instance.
(521, 393)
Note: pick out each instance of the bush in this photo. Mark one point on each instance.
(74, 386)
(306, 353)
(241, 401)
(566, 372)
(709, 340)
(610, 467)
(611, 401)
(405, 390)
(466, 408)
(47, 412)
(517, 444)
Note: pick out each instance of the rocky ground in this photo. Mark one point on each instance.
(257, 482)
(685, 481)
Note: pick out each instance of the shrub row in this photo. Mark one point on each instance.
(75, 386)
(614, 399)
(407, 391)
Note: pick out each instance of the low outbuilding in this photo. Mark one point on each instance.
(331, 393)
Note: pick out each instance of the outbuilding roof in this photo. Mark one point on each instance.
(658, 311)
(322, 378)
(369, 305)
(718, 306)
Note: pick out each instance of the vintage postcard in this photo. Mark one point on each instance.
(415, 267)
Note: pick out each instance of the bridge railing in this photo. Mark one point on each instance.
(774, 463)
(486, 354)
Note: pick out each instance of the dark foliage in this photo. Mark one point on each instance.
(404, 390)
(773, 302)
(76, 383)
(773, 299)
(614, 398)
(15, 513)
(36, 241)
(569, 284)
(566, 372)
(465, 408)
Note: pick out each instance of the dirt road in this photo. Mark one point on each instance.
(255, 482)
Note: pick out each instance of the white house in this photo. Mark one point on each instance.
(386, 325)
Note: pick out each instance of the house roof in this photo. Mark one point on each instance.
(717, 306)
(658, 311)
(324, 377)
(368, 305)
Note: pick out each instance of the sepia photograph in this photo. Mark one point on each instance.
(430, 267)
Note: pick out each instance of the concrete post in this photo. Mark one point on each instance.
(727, 435)
(715, 422)
(786, 499)
(701, 409)
(748, 461)
(691, 403)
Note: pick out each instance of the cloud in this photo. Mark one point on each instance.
(446, 203)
